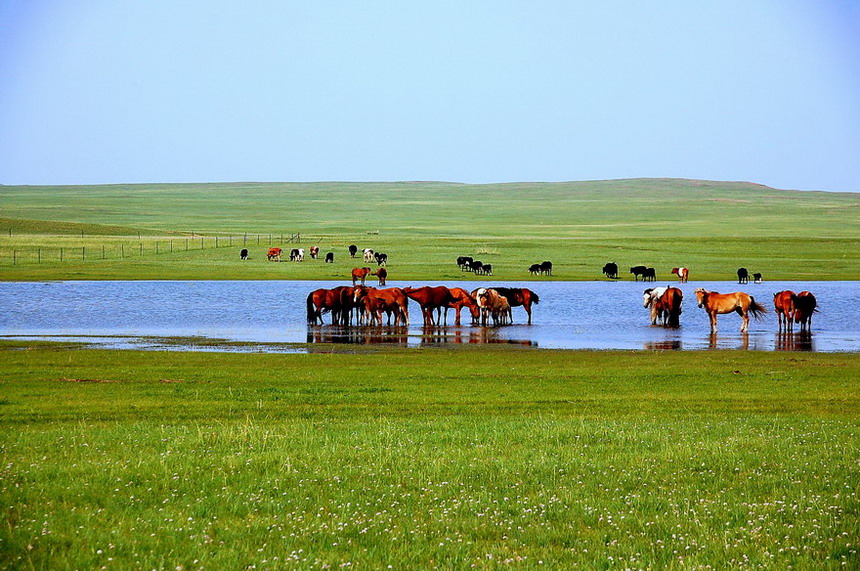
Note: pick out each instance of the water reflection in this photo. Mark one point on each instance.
(802, 341)
(363, 335)
(671, 345)
(429, 335)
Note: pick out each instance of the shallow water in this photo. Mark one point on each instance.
(271, 315)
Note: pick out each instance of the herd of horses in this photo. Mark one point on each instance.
(362, 305)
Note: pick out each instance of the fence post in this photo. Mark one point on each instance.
(83, 253)
(171, 246)
(245, 241)
(40, 256)
(201, 242)
(141, 248)
(61, 254)
(103, 251)
(122, 251)
(156, 247)
(186, 244)
(216, 242)
(14, 257)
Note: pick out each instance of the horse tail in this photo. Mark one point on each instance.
(312, 317)
(756, 309)
(535, 297)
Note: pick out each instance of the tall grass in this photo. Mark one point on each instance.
(428, 458)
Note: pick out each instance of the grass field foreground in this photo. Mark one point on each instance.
(428, 458)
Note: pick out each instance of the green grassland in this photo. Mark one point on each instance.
(142, 231)
(431, 458)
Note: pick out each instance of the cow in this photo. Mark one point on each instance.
(757, 278)
(743, 276)
(464, 262)
(477, 266)
(297, 255)
(610, 270)
(274, 254)
(329, 258)
(243, 255)
(315, 252)
(353, 250)
(487, 270)
(534, 269)
(546, 268)
(650, 275)
(638, 271)
(381, 259)
(368, 254)
(682, 273)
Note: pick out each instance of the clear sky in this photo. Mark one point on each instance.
(116, 91)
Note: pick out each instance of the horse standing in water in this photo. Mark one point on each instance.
(392, 301)
(651, 300)
(338, 301)
(462, 298)
(783, 304)
(804, 306)
(739, 302)
(519, 297)
(430, 298)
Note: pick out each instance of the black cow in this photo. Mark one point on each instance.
(476, 266)
(381, 259)
(534, 269)
(638, 271)
(244, 254)
(487, 269)
(546, 268)
(610, 270)
(743, 276)
(464, 262)
(353, 250)
(757, 278)
(329, 258)
(650, 275)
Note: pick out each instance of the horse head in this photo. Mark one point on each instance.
(701, 296)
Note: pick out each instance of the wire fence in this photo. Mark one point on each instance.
(122, 248)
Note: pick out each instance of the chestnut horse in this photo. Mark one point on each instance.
(360, 274)
(804, 306)
(682, 274)
(338, 301)
(718, 303)
(392, 301)
(783, 304)
(430, 298)
(670, 303)
(520, 297)
(461, 298)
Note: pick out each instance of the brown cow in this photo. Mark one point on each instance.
(274, 254)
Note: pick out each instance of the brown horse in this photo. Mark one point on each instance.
(493, 305)
(520, 297)
(804, 306)
(461, 298)
(651, 299)
(359, 274)
(381, 274)
(718, 303)
(338, 301)
(783, 304)
(392, 301)
(670, 304)
(431, 298)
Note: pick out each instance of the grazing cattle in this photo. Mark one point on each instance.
(743, 276)
(315, 252)
(610, 270)
(757, 278)
(650, 300)
(297, 255)
(487, 270)
(392, 301)
(381, 274)
(368, 254)
(719, 303)
(243, 255)
(476, 266)
(464, 263)
(804, 306)
(682, 273)
(637, 271)
(381, 259)
(360, 274)
(461, 298)
(430, 298)
(329, 258)
(353, 250)
(783, 304)
(534, 269)
(519, 297)
(649, 275)
(546, 268)
(274, 254)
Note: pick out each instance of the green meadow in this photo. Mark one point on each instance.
(195, 231)
(430, 458)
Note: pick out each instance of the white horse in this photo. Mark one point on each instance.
(649, 299)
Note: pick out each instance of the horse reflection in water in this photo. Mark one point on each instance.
(473, 336)
(368, 335)
(788, 341)
(668, 345)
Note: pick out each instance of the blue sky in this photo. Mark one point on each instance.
(170, 91)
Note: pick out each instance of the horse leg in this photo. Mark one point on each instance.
(713, 316)
(745, 316)
(528, 308)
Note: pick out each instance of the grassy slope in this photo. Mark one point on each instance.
(710, 227)
(433, 457)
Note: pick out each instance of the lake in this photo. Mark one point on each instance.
(270, 316)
